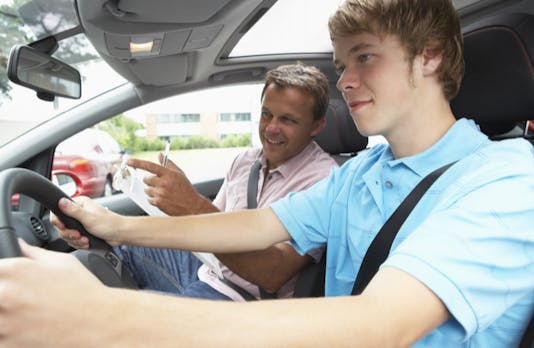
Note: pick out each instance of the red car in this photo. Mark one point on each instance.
(90, 157)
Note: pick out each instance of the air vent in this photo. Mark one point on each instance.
(38, 228)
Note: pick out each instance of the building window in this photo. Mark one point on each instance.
(165, 118)
(178, 118)
(183, 118)
(234, 117)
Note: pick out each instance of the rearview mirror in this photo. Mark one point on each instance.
(48, 76)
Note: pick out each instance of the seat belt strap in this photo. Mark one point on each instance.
(381, 244)
(252, 203)
(252, 187)
(247, 296)
(528, 336)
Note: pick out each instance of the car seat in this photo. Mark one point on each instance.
(498, 87)
(340, 138)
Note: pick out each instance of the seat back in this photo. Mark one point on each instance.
(498, 87)
(340, 138)
(310, 281)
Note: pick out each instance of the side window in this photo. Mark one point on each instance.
(207, 130)
(85, 163)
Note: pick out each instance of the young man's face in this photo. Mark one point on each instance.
(286, 123)
(376, 82)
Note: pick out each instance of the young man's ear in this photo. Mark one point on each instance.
(319, 126)
(431, 60)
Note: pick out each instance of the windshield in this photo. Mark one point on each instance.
(25, 21)
(277, 33)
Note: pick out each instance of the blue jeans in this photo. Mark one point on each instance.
(166, 270)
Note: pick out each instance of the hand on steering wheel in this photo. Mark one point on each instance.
(99, 259)
(100, 219)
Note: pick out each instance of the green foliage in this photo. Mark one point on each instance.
(236, 140)
(178, 143)
(199, 142)
(155, 145)
(11, 33)
(124, 129)
(24, 22)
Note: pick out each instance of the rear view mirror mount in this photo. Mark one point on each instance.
(48, 76)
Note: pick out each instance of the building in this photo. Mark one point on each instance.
(215, 113)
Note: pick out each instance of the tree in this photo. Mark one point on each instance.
(25, 21)
(123, 130)
(10, 34)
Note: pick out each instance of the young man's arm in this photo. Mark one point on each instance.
(217, 232)
(383, 316)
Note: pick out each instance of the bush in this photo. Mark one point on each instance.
(123, 130)
(236, 140)
(199, 142)
(155, 145)
(138, 145)
(178, 143)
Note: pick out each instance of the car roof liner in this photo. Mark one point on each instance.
(201, 30)
(165, 11)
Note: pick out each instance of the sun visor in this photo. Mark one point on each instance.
(165, 11)
(172, 70)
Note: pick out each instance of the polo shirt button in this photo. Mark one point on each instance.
(389, 184)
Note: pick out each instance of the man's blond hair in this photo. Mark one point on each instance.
(418, 24)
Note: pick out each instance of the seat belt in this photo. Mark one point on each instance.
(527, 341)
(252, 203)
(380, 246)
(252, 187)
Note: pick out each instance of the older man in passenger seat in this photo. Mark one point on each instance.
(294, 103)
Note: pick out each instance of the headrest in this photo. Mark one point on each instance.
(340, 134)
(498, 87)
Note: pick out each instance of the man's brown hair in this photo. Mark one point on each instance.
(304, 77)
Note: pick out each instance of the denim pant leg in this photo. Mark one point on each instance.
(166, 270)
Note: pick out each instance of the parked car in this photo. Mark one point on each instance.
(91, 158)
(133, 53)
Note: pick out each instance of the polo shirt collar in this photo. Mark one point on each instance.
(288, 168)
(462, 139)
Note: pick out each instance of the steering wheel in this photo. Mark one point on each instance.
(99, 258)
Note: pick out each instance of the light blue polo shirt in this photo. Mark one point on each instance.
(470, 239)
